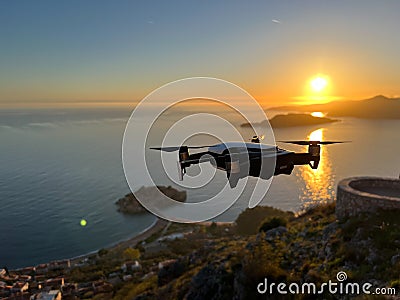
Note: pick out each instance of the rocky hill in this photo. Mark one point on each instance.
(130, 205)
(293, 120)
(229, 262)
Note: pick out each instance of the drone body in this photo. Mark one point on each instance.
(240, 159)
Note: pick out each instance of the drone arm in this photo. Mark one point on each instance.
(194, 159)
(306, 159)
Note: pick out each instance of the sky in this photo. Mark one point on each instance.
(119, 51)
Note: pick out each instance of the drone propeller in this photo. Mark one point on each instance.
(306, 143)
(176, 148)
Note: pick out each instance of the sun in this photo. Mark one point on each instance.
(318, 84)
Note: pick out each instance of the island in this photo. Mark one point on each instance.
(292, 120)
(130, 205)
(378, 107)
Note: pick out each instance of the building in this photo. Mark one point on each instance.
(51, 295)
(20, 287)
(59, 264)
(131, 266)
(27, 271)
(42, 269)
(166, 263)
(3, 272)
(54, 283)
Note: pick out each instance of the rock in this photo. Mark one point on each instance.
(275, 232)
(249, 246)
(130, 205)
(171, 271)
(211, 282)
(329, 230)
(395, 259)
(373, 256)
(239, 285)
(303, 233)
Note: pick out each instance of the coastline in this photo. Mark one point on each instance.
(155, 227)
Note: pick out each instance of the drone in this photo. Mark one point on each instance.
(240, 159)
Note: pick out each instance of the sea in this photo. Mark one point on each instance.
(59, 166)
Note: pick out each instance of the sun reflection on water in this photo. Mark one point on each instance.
(318, 114)
(317, 186)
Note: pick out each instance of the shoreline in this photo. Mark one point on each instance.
(156, 226)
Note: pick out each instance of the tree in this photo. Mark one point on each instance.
(131, 254)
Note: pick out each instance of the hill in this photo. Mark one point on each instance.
(378, 107)
(293, 120)
(229, 262)
(130, 205)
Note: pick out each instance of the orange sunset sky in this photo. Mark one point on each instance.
(98, 51)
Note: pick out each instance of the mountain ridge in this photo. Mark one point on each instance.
(377, 107)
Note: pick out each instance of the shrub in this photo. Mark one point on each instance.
(132, 254)
(270, 223)
(248, 222)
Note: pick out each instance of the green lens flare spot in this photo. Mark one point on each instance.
(83, 222)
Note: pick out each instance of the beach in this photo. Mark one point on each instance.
(155, 227)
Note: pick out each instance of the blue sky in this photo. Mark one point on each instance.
(55, 51)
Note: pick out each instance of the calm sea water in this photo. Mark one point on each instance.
(59, 166)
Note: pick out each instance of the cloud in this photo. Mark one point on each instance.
(276, 21)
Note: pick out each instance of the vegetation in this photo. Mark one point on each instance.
(222, 261)
(272, 222)
(249, 221)
(131, 254)
(130, 290)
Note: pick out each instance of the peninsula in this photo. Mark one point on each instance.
(292, 120)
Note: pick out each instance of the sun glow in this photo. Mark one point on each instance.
(318, 83)
(317, 88)
(316, 135)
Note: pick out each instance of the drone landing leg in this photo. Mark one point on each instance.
(314, 163)
(233, 179)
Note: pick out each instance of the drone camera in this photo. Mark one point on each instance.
(183, 153)
(183, 156)
(314, 150)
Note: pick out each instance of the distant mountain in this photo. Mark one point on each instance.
(293, 120)
(378, 107)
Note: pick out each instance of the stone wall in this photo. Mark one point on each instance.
(352, 197)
